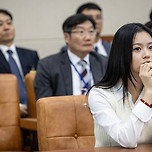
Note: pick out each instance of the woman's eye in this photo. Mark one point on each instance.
(150, 47)
(137, 49)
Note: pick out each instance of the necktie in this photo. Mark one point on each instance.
(85, 77)
(96, 49)
(15, 71)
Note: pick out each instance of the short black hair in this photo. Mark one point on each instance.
(88, 6)
(72, 21)
(6, 12)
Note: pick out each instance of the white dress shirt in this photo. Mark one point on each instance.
(101, 49)
(117, 122)
(4, 49)
(76, 81)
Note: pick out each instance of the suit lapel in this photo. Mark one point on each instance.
(4, 63)
(95, 68)
(107, 47)
(67, 73)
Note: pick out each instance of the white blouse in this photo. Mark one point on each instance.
(119, 123)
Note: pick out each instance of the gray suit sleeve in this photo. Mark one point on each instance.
(42, 81)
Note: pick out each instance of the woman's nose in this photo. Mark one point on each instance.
(146, 53)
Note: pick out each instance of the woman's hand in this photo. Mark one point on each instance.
(145, 73)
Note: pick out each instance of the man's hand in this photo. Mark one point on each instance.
(23, 110)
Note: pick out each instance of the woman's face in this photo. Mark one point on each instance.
(142, 51)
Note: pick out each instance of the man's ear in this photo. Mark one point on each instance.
(66, 37)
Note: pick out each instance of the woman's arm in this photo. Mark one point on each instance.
(125, 133)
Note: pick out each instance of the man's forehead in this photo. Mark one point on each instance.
(84, 24)
(91, 11)
(4, 16)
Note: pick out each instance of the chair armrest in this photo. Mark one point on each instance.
(28, 123)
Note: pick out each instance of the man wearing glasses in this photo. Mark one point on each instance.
(94, 11)
(75, 70)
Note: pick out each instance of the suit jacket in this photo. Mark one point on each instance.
(54, 75)
(106, 45)
(28, 59)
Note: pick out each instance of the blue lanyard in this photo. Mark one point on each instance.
(81, 77)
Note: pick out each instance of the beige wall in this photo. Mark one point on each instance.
(39, 22)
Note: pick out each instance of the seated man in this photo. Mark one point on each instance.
(15, 60)
(73, 71)
(94, 11)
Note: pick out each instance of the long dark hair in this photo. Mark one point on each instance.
(120, 59)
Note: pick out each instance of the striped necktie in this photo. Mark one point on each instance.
(85, 77)
(15, 71)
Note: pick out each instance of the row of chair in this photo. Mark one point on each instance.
(62, 122)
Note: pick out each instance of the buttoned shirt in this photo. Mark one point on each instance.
(76, 82)
(126, 123)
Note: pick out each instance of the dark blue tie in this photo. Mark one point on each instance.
(15, 71)
(96, 49)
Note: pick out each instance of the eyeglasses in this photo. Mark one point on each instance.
(84, 33)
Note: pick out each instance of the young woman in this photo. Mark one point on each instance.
(121, 103)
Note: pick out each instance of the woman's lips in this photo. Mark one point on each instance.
(146, 62)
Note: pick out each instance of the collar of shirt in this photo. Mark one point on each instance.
(75, 59)
(98, 43)
(101, 49)
(76, 83)
(4, 49)
(118, 91)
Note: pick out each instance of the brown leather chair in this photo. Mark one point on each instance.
(10, 132)
(64, 122)
(31, 100)
(30, 123)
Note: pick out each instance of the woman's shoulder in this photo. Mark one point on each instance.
(101, 96)
(99, 93)
(100, 90)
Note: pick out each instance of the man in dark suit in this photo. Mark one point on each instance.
(61, 74)
(93, 10)
(24, 59)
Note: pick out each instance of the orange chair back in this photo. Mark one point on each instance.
(10, 132)
(31, 100)
(64, 122)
